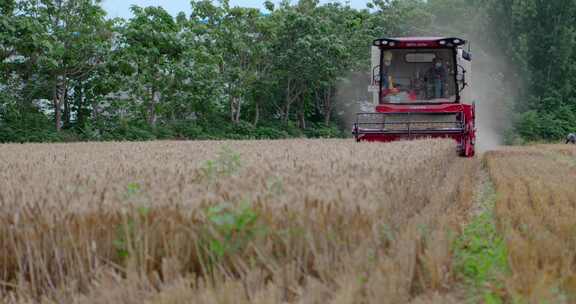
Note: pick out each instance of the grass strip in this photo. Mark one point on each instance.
(481, 254)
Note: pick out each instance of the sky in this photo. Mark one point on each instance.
(121, 8)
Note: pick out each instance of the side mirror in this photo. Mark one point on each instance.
(467, 55)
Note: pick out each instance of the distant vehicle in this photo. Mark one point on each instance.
(420, 90)
(571, 138)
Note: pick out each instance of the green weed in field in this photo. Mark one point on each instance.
(481, 255)
(227, 163)
(133, 219)
(231, 229)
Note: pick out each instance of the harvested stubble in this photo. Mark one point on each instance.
(535, 210)
(324, 221)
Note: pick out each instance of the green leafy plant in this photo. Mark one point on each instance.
(275, 186)
(121, 243)
(132, 189)
(127, 231)
(481, 254)
(231, 229)
(227, 163)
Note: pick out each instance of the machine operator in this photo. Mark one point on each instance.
(436, 78)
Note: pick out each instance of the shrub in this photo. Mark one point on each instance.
(535, 125)
(131, 131)
(187, 130)
(292, 129)
(243, 128)
(26, 126)
(270, 133)
(323, 132)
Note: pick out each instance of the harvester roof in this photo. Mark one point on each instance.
(419, 42)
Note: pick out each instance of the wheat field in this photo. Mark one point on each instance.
(295, 221)
(536, 213)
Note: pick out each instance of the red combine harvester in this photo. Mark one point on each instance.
(419, 87)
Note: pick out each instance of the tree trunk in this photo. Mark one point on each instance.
(286, 113)
(328, 106)
(287, 103)
(152, 115)
(235, 109)
(235, 105)
(79, 98)
(57, 114)
(95, 109)
(256, 112)
(59, 95)
(238, 109)
(302, 115)
(66, 114)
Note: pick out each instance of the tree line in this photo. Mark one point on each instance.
(68, 72)
(539, 39)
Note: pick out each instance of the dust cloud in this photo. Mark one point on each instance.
(491, 101)
(491, 92)
(352, 97)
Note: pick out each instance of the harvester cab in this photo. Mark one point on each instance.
(420, 89)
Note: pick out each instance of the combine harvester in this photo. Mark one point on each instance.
(419, 88)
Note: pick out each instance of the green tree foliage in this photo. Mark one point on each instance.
(151, 57)
(47, 48)
(67, 72)
(539, 37)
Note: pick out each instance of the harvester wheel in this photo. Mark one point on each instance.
(471, 149)
(468, 149)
